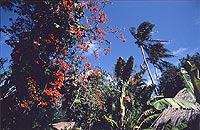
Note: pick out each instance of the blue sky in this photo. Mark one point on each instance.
(178, 21)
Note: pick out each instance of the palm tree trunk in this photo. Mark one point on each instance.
(156, 73)
(157, 77)
(148, 69)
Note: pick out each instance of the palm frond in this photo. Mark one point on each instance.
(133, 32)
(144, 31)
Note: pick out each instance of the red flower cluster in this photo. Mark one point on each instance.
(88, 64)
(100, 31)
(32, 91)
(52, 92)
(102, 17)
(25, 104)
(84, 47)
(42, 103)
(122, 38)
(132, 81)
(60, 79)
(97, 73)
(81, 57)
(94, 9)
(107, 50)
(63, 65)
(68, 4)
(99, 94)
(78, 32)
(94, 73)
(54, 95)
(100, 105)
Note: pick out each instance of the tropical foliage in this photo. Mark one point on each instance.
(49, 78)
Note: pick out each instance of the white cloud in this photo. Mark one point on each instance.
(179, 51)
(92, 48)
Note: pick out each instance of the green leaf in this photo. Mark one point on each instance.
(188, 83)
(77, 100)
(187, 105)
(180, 126)
(166, 102)
(110, 120)
(168, 125)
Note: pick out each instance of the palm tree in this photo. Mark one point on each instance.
(143, 34)
(155, 49)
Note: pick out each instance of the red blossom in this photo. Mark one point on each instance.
(97, 73)
(88, 64)
(83, 4)
(94, 9)
(100, 105)
(81, 57)
(100, 30)
(85, 48)
(79, 32)
(51, 36)
(64, 2)
(48, 92)
(57, 49)
(65, 66)
(25, 104)
(113, 31)
(80, 39)
(47, 41)
(60, 79)
(100, 95)
(122, 38)
(128, 99)
(64, 51)
(57, 60)
(132, 81)
(55, 101)
(36, 61)
(96, 54)
(72, 30)
(80, 46)
(107, 50)
(57, 41)
(43, 103)
(56, 93)
(102, 17)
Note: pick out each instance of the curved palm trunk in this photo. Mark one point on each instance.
(157, 77)
(156, 72)
(148, 69)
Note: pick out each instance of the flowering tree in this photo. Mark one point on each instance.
(49, 39)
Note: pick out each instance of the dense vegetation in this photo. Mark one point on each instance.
(50, 80)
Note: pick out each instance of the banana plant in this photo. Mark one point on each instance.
(123, 71)
(194, 73)
(192, 84)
